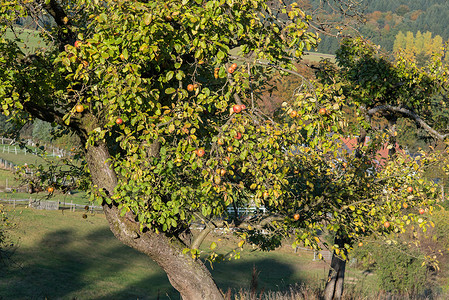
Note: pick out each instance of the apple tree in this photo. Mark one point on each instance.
(148, 87)
(163, 97)
(379, 88)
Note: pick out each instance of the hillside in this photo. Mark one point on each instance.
(384, 19)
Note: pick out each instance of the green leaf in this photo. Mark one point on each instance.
(169, 75)
(170, 90)
(221, 55)
(147, 17)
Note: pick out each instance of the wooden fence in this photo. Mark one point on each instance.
(9, 147)
(50, 205)
(6, 165)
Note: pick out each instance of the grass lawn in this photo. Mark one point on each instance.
(60, 255)
(316, 57)
(9, 182)
(30, 39)
(312, 57)
(20, 158)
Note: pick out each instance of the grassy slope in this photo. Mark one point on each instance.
(313, 57)
(30, 39)
(20, 158)
(7, 179)
(63, 256)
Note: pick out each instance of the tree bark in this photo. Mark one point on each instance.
(392, 119)
(187, 275)
(335, 279)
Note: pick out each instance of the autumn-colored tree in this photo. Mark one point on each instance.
(399, 42)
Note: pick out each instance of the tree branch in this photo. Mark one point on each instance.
(410, 114)
(66, 35)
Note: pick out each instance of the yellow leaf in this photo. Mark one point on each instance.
(241, 243)
(213, 246)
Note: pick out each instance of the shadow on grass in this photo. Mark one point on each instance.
(60, 267)
(94, 265)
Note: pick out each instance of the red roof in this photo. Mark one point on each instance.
(381, 155)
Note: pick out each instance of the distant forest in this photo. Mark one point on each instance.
(384, 19)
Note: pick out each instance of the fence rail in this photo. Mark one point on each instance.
(50, 205)
(9, 147)
(6, 165)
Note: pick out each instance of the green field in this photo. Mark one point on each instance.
(30, 39)
(60, 255)
(9, 183)
(316, 57)
(311, 57)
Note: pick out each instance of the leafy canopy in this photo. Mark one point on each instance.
(156, 84)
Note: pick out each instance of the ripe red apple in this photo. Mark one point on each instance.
(360, 244)
(322, 111)
(231, 70)
(119, 121)
(79, 108)
(50, 189)
(220, 142)
(386, 224)
(200, 152)
(234, 66)
(404, 205)
(77, 44)
(243, 106)
(238, 136)
(293, 114)
(409, 189)
(421, 211)
(230, 149)
(190, 87)
(237, 108)
(296, 217)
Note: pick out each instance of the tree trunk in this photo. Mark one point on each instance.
(392, 139)
(187, 275)
(336, 277)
